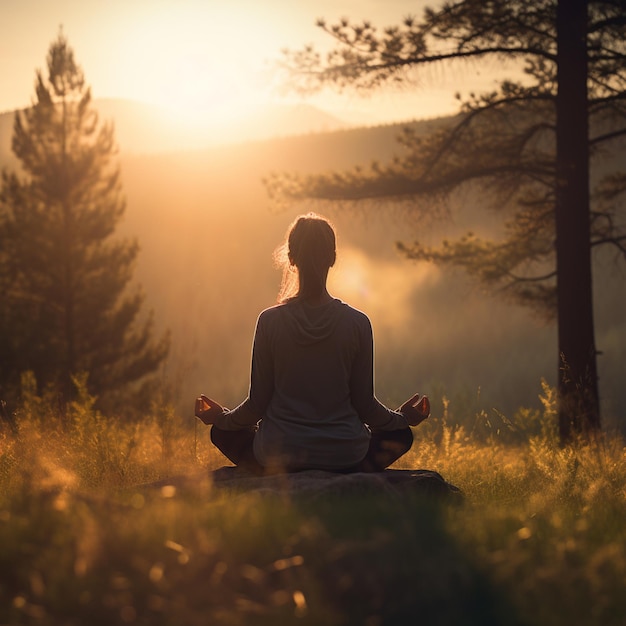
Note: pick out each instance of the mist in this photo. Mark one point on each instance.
(207, 232)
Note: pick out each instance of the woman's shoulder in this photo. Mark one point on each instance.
(271, 312)
(351, 310)
(353, 315)
(276, 311)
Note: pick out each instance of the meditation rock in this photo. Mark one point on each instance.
(319, 483)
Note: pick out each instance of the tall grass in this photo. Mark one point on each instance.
(540, 538)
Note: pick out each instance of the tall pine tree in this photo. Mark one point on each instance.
(67, 306)
(526, 150)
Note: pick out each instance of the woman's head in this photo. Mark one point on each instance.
(306, 256)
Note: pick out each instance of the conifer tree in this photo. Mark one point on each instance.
(524, 150)
(67, 305)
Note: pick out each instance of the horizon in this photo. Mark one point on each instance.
(145, 128)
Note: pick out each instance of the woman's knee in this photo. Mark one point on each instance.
(405, 438)
(408, 435)
(236, 445)
(217, 436)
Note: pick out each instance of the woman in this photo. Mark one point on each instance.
(311, 403)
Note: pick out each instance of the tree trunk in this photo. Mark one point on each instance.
(69, 287)
(579, 412)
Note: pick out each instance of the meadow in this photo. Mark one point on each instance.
(85, 538)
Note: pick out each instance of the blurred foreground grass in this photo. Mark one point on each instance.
(540, 538)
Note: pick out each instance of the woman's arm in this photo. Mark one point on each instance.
(253, 408)
(372, 412)
(211, 412)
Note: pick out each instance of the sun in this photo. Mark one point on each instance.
(176, 62)
(193, 85)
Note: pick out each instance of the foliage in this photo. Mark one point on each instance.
(501, 147)
(83, 539)
(528, 143)
(66, 305)
(465, 418)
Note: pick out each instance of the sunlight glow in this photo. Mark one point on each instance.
(209, 63)
(187, 65)
(351, 277)
(378, 286)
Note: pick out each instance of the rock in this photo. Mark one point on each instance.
(391, 482)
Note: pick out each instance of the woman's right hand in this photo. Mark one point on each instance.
(416, 409)
(207, 410)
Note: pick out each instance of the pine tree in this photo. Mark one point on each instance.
(523, 149)
(67, 304)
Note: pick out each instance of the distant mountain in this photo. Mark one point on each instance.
(6, 132)
(143, 128)
(146, 129)
(287, 120)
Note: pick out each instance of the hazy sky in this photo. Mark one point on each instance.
(206, 56)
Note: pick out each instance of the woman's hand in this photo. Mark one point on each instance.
(416, 409)
(207, 410)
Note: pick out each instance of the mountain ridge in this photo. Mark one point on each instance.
(142, 128)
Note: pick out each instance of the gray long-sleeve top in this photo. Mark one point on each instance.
(312, 387)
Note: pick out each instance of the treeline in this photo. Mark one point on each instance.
(68, 308)
(207, 231)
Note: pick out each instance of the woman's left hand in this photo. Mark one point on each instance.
(207, 410)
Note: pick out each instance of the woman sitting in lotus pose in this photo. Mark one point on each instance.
(311, 403)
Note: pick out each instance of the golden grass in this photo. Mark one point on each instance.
(540, 538)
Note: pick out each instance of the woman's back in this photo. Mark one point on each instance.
(302, 380)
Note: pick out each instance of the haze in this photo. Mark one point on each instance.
(206, 61)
